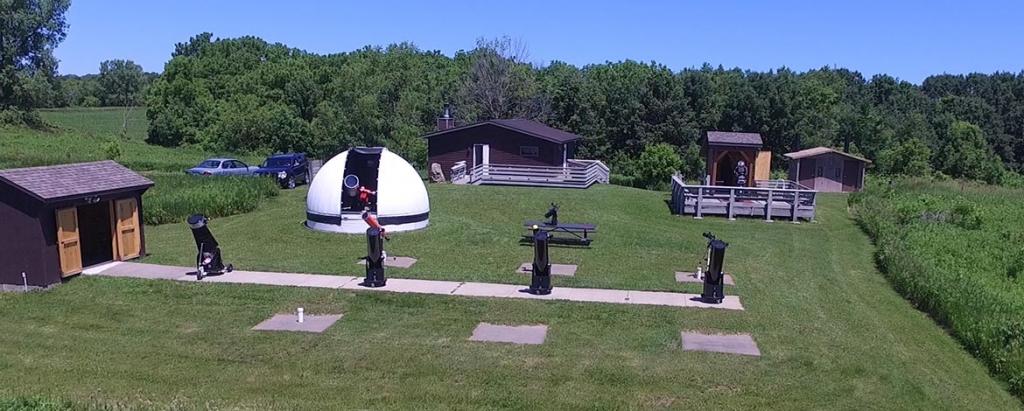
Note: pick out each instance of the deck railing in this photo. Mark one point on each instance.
(771, 198)
(579, 174)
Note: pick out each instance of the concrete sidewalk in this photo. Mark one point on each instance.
(468, 289)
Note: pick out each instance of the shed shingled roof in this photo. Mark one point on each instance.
(528, 127)
(817, 151)
(63, 181)
(734, 138)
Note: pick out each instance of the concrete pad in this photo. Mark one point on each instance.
(256, 277)
(96, 269)
(525, 334)
(741, 344)
(567, 270)
(290, 322)
(686, 277)
(486, 290)
(418, 286)
(400, 262)
(147, 271)
(659, 298)
(592, 295)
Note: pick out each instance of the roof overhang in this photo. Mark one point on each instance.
(496, 124)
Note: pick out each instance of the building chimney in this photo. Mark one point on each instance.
(796, 143)
(446, 121)
(846, 145)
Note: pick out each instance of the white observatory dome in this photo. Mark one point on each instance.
(334, 203)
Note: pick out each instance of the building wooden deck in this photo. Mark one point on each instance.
(771, 199)
(578, 174)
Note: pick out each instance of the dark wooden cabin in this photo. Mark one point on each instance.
(827, 170)
(512, 142)
(723, 150)
(57, 220)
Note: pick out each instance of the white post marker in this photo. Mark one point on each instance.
(301, 314)
(24, 279)
(699, 274)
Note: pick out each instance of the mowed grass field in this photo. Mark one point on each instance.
(85, 134)
(832, 333)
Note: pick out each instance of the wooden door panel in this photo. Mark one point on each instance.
(69, 247)
(128, 239)
(851, 175)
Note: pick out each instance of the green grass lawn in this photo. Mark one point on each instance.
(833, 334)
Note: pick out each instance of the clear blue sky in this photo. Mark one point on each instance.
(907, 39)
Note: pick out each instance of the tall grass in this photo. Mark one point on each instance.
(955, 251)
(176, 196)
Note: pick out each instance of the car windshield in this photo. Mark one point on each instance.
(209, 164)
(277, 162)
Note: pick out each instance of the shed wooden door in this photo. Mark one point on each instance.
(128, 238)
(68, 244)
(851, 175)
(806, 176)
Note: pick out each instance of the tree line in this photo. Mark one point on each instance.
(249, 95)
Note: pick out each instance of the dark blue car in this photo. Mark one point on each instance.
(289, 169)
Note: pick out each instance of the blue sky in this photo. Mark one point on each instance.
(907, 39)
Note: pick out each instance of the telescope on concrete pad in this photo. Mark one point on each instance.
(713, 280)
(375, 256)
(208, 260)
(540, 281)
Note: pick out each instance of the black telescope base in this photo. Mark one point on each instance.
(712, 294)
(374, 278)
(540, 282)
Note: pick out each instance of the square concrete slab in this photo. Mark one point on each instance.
(685, 277)
(400, 262)
(290, 322)
(741, 344)
(524, 334)
(567, 270)
(148, 271)
(486, 290)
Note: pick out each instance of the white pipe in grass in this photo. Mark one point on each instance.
(301, 312)
(24, 279)
(700, 274)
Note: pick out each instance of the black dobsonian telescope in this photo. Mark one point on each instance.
(552, 214)
(540, 283)
(208, 261)
(374, 258)
(713, 281)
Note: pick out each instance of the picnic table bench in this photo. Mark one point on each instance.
(574, 232)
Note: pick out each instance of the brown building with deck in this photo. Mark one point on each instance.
(511, 142)
(827, 170)
(57, 220)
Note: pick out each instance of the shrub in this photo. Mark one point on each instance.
(176, 196)
(941, 252)
(656, 166)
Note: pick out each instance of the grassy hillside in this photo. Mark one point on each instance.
(93, 134)
(833, 334)
(104, 121)
(956, 252)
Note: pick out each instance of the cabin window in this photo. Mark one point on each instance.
(529, 151)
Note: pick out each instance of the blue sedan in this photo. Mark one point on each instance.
(222, 167)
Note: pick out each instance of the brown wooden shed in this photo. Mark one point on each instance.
(516, 142)
(723, 150)
(827, 170)
(58, 220)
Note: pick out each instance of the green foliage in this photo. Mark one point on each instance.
(177, 196)
(954, 249)
(112, 149)
(28, 35)
(966, 154)
(656, 166)
(121, 82)
(910, 158)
